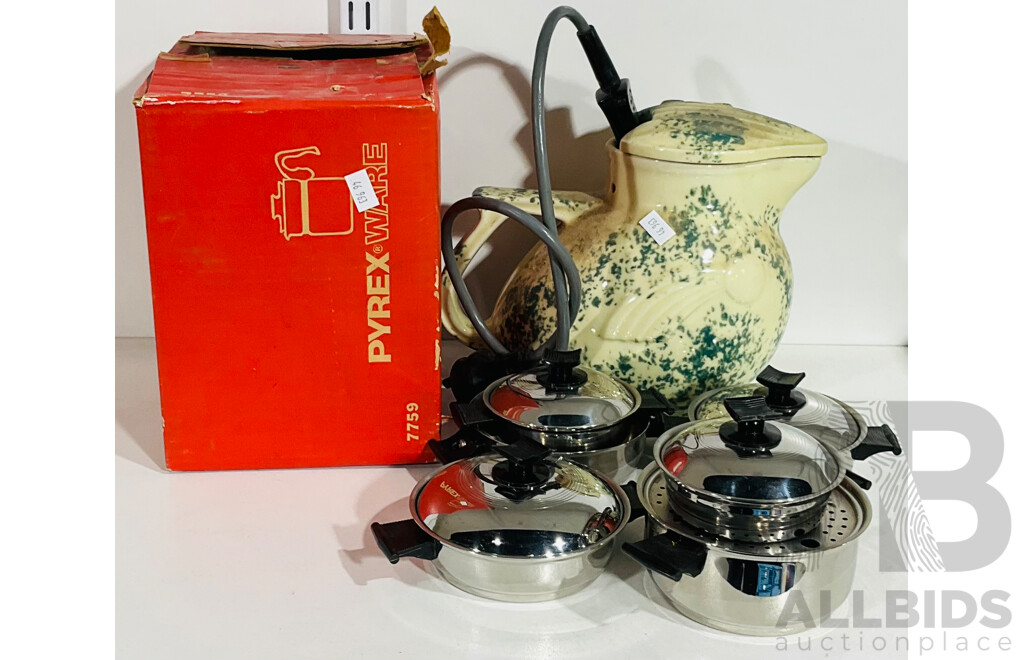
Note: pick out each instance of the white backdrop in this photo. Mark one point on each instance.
(837, 69)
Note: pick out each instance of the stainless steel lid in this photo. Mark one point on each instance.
(821, 416)
(747, 459)
(519, 503)
(524, 400)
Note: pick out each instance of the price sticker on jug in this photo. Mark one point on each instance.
(656, 226)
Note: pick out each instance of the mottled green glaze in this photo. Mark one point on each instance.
(706, 309)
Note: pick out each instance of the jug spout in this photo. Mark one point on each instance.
(775, 181)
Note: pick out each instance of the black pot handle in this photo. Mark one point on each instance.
(656, 408)
(464, 443)
(473, 413)
(859, 480)
(404, 539)
(636, 507)
(878, 439)
(470, 375)
(669, 554)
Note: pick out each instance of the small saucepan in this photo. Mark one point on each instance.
(516, 524)
(578, 413)
(773, 587)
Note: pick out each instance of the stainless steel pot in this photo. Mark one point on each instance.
(753, 588)
(747, 478)
(513, 525)
(829, 420)
(577, 412)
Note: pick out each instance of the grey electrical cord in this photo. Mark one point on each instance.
(557, 251)
(540, 155)
(616, 101)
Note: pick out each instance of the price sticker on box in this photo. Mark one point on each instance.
(362, 190)
(656, 226)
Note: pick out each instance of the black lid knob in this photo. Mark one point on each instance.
(780, 386)
(749, 429)
(562, 374)
(524, 465)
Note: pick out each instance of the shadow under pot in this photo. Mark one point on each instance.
(747, 478)
(576, 412)
(823, 417)
(513, 525)
(752, 588)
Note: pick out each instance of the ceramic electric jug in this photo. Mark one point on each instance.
(705, 309)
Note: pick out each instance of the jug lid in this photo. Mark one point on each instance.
(717, 133)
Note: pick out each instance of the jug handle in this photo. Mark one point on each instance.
(569, 207)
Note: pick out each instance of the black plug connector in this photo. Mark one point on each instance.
(618, 109)
(614, 96)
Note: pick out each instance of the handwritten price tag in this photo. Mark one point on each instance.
(659, 230)
(362, 190)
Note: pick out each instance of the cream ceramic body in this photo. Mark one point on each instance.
(706, 309)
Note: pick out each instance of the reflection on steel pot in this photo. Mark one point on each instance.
(514, 525)
(746, 587)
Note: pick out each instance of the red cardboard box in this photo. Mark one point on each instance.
(292, 328)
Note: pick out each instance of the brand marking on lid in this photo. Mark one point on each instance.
(451, 491)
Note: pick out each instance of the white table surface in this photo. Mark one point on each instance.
(281, 563)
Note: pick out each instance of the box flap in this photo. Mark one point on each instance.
(281, 41)
(229, 67)
(428, 47)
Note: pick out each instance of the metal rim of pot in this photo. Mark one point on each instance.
(747, 478)
(495, 525)
(737, 586)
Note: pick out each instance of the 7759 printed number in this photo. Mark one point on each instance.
(412, 417)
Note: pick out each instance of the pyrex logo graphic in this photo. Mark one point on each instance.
(378, 269)
(309, 205)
